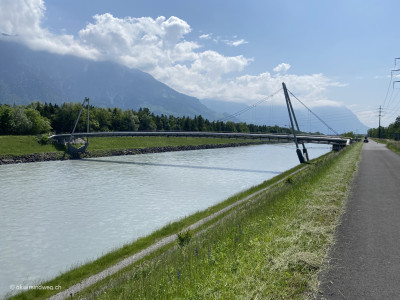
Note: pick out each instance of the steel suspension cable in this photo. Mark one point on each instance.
(330, 128)
(250, 107)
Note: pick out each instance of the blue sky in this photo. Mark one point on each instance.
(327, 52)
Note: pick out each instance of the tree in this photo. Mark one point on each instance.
(242, 127)
(116, 119)
(129, 122)
(7, 124)
(146, 121)
(349, 134)
(200, 123)
(66, 116)
(103, 117)
(230, 127)
(39, 124)
(22, 124)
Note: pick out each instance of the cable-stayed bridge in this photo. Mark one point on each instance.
(321, 139)
(336, 141)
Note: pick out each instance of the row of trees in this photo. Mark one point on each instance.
(37, 118)
(22, 120)
(390, 132)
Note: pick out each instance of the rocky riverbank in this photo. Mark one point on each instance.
(52, 156)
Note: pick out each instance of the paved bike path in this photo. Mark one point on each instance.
(365, 260)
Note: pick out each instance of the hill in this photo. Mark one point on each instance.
(27, 76)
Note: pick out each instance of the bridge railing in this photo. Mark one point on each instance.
(64, 138)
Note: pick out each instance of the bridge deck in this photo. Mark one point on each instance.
(63, 138)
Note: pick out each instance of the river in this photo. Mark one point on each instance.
(56, 215)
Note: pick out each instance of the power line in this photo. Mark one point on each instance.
(393, 84)
(380, 114)
(387, 92)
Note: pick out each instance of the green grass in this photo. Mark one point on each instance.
(393, 145)
(390, 144)
(23, 145)
(271, 248)
(115, 143)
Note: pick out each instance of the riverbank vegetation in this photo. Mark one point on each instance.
(271, 247)
(393, 145)
(37, 118)
(390, 144)
(391, 132)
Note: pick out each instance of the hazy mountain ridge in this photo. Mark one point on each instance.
(27, 75)
(340, 119)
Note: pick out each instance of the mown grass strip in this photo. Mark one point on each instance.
(22, 145)
(272, 248)
(25, 145)
(115, 143)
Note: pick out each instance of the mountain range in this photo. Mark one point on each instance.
(335, 119)
(27, 76)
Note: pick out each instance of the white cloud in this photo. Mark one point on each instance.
(235, 43)
(283, 67)
(21, 17)
(158, 46)
(21, 21)
(368, 117)
(205, 36)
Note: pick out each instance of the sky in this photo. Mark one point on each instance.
(331, 52)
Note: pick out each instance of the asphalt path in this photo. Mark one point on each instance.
(365, 260)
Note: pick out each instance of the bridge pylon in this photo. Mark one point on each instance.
(72, 149)
(292, 117)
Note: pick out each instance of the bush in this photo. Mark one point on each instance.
(184, 238)
(45, 140)
(289, 180)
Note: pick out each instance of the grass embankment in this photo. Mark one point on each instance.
(22, 145)
(272, 247)
(390, 144)
(77, 274)
(25, 145)
(393, 145)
